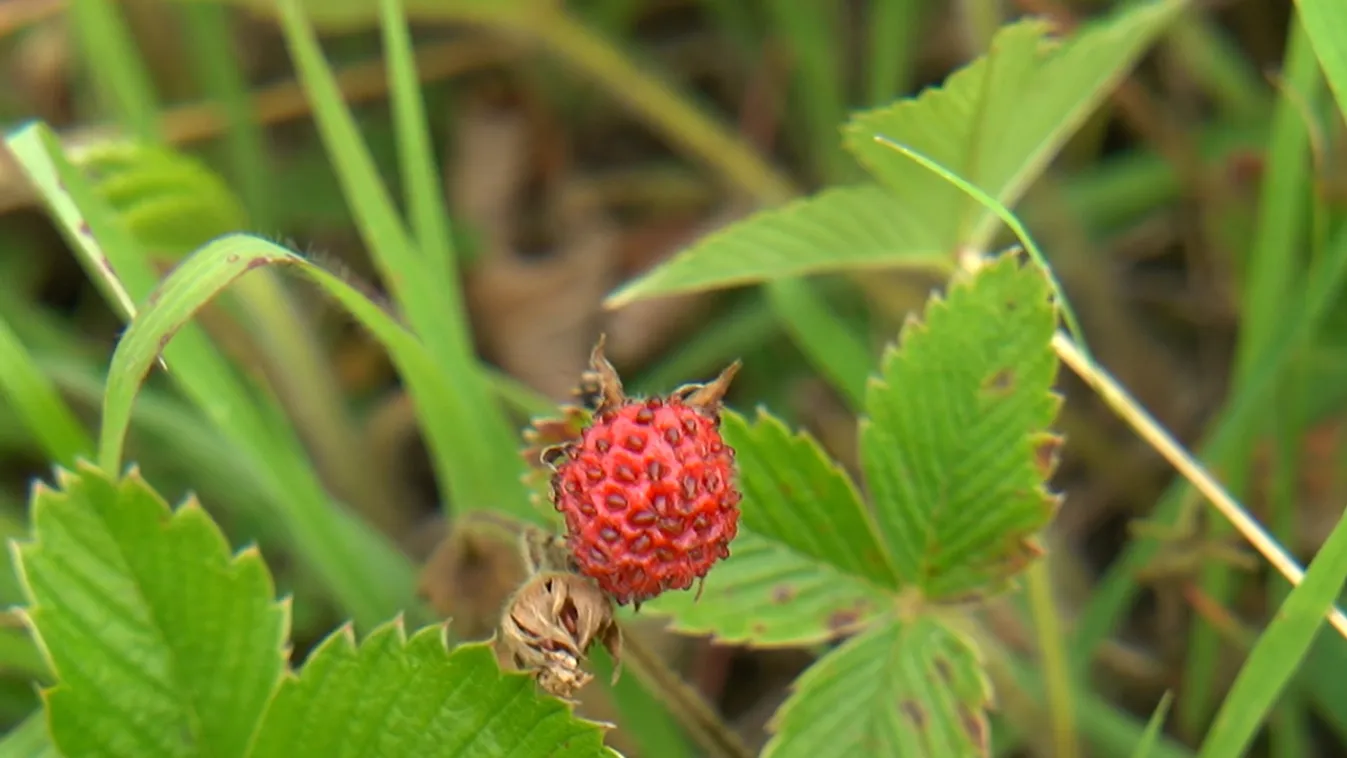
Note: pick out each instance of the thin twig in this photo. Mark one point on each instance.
(687, 705)
(1130, 411)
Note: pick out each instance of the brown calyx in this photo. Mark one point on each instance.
(552, 621)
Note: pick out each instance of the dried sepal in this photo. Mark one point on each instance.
(602, 383)
(549, 626)
(707, 397)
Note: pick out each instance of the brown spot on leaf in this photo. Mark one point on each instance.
(975, 724)
(841, 621)
(232, 258)
(257, 262)
(759, 629)
(914, 713)
(942, 668)
(782, 594)
(1047, 449)
(1002, 382)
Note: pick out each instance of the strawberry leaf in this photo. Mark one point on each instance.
(955, 447)
(844, 227)
(911, 688)
(162, 643)
(997, 122)
(395, 696)
(807, 564)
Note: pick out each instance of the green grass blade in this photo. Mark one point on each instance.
(1274, 264)
(1146, 746)
(487, 473)
(1240, 419)
(834, 349)
(368, 577)
(812, 33)
(57, 430)
(893, 36)
(1279, 650)
(421, 183)
(1325, 21)
(221, 77)
(115, 66)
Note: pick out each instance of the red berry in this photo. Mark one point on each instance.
(649, 494)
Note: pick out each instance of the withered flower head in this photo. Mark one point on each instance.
(551, 623)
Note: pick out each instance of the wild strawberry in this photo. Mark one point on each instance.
(648, 492)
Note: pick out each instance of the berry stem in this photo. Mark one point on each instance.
(687, 705)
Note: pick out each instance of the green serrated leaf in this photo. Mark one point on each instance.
(844, 227)
(996, 122)
(395, 696)
(907, 688)
(1000, 120)
(956, 447)
(807, 565)
(162, 643)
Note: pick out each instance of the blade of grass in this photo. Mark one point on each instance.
(1275, 259)
(56, 428)
(115, 67)
(748, 324)
(811, 32)
(1146, 745)
(487, 473)
(366, 575)
(221, 78)
(1325, 21)
(1237, 421)
(834, 349)
(421, 183)
(1052, 656)
(1208, 53)
(893, 35)
(1279, 650)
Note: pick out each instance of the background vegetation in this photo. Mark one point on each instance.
(1192, 213)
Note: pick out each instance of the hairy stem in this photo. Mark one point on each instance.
(693, 713)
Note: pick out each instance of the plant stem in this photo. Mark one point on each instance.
(1052, 655)
(697, 717)
(1150, 430)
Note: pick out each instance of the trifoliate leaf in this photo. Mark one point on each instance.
(844, 227)
(394, 696)
(1000, 120)
(905, 688)
(162, 643)
(996, 122)
(955, 447)
(807, 564)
